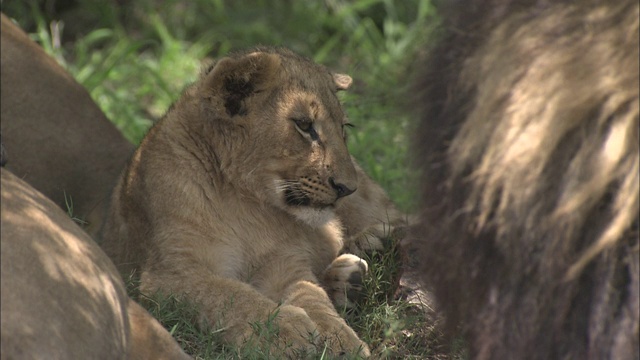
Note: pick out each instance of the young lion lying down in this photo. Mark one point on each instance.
(231, 201)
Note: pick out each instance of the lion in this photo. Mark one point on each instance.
(56, 138)
(61, 295)
(528, 146)
(62, 298)
(233, 200)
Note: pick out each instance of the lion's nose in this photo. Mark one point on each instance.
(341, 189)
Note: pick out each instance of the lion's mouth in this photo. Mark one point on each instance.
(303, 194)
(296, 197)
(306, 205)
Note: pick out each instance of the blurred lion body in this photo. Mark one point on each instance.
(62, 298)
(56, 138)
(529, 150)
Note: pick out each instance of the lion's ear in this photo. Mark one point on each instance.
(235, 79)
(343, 81)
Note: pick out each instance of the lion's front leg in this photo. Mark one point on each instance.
(242, 313)
(287, 277)
(333, 329)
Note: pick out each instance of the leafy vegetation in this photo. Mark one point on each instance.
(135, 57)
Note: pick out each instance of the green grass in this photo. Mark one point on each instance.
(135, 59)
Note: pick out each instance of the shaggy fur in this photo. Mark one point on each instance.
(529, 150)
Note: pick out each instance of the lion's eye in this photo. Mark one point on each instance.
(306, 126)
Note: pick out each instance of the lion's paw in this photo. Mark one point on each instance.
(370, 240)
(343, 341)
(343, 280)
(294, 333)
(375, 238)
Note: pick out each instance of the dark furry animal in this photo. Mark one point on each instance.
(3, 155)
(528, 146)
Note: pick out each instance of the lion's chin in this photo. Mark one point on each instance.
(314, 216)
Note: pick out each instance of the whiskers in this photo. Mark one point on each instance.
(303, 208)
(293, 193)
(284, 185)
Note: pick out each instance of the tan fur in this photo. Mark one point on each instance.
(369, 216)
(55, 136)
(231, 200)
(62, 298)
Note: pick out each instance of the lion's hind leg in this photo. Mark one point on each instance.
(370, 219)
(369, 240)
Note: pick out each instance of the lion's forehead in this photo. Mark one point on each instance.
(317, 106)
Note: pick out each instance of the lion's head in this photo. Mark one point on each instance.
(284, 127)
